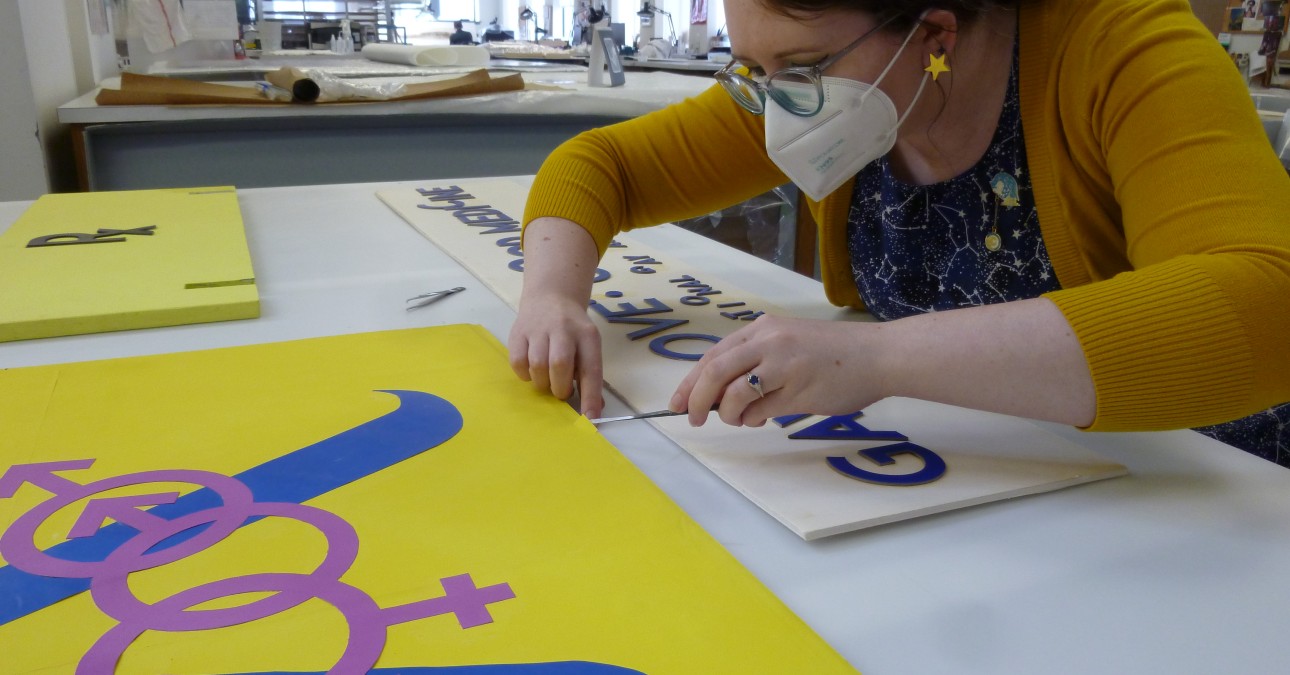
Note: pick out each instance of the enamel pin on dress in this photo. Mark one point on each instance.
(1006, 192)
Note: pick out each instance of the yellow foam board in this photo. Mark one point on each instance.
(607, 575)
(104, 261)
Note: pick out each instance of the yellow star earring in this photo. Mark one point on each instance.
(937, 65)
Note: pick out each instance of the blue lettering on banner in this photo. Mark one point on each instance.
(661, 345)
(845, 427)
(744, 315)
(442, 194)
(933, 466)
(629, 313)
(512, 245)
(453, 200)
(697, 293)
(642, 265)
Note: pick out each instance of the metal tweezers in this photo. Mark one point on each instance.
(427, 298)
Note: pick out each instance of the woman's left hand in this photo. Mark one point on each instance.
(1017, 358)
(801, 365)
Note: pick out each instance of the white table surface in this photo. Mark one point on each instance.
(1181, 567)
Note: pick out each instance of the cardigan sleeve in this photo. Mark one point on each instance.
(1174, 198)
(692, 158)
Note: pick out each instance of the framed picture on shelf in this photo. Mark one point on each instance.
(1235, 18)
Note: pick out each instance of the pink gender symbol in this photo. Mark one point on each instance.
(17, 543)
(122, 509)
(111, 589)
(461, 598)
(366, 630)
(367, 622)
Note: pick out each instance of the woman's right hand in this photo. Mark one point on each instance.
(553, 343)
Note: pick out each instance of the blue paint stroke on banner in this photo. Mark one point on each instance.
(558, 668)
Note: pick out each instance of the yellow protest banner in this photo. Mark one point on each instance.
(393, 502)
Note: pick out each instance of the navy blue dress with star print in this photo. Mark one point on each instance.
(923, 248)
(975, 240)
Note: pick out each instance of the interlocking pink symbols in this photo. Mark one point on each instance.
(160, 542)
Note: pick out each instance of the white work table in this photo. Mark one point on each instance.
(1179, 567)
(509, 133)
(645, 92)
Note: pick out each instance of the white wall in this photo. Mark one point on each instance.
(45, 29)
(22, 171)
(47, 57)
(493, 8)
(93, 56)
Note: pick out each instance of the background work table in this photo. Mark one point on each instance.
(511, 133)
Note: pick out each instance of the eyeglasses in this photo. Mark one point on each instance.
(797, 89)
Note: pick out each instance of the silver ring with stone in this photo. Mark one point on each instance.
(755, 382)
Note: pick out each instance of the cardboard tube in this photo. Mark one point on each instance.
(294, 80)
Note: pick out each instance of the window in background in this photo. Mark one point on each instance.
(431, 22)
(459, 10)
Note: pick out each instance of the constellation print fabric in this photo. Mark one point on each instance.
(1266, 434)
(925, 248)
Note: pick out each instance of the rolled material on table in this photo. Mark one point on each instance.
(294, 80)
(416, 55)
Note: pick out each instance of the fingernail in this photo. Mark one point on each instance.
(675, 404)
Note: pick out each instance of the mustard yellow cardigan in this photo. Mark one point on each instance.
(1163, 208)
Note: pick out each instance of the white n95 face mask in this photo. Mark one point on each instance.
(857, 125)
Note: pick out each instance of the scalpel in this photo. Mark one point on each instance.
(639, 416)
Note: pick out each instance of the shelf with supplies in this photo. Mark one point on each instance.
(306, 28)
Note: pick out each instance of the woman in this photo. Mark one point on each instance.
(1121, 277)
(1273, 27)
(460, 36)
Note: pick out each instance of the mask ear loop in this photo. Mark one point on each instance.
(921, 84)
(917, 94)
